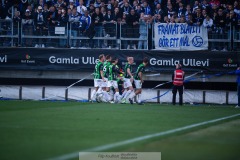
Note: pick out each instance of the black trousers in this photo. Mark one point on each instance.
(178, 89)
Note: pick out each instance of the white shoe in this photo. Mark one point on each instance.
(36, 46)
(72, 47)
(107, 35)
(43, 46)
(128, 47)
(237, 106)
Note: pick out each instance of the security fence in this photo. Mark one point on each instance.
(109, 35)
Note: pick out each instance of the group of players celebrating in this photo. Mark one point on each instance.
(107, 74)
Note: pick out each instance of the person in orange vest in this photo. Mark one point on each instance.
(178, 79)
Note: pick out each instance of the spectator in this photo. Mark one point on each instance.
(110, 5)
(139, 9)
(117, 18)
(135, 5)
(133, 27)
(27, 24)
(60, 4)
(220, 22)
(126, 8)
(157, 18)
(74, 23)
(181, 10)
(40, 26)
(91, 9)
(81, 8)
(205, 6)
(97, 19)
(16, 27)
(71, 4)
(52, 22)
(103, 11)
(97, 4)
(204, 13)
(109, 24)
(159, 10)
(40, 3)
(182, 19)
(196, 6)
(147, 9)
(208, 23)
(45, 9)
(188, 11)
(85, 22)
(61, 21)
(170, 12)
(190, 21)
(166, 19)
(124, 30)
(143, 31)
(198, 17)
(122, 3)
(213, 10)
(232, 23)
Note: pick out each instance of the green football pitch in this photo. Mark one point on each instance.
(39, 130)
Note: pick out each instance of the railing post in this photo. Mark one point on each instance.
(158, 95)
(43, 92)
(20, 93)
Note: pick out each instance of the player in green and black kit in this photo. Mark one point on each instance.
(138, 80)
(112, 78)
(98, 77)
(128, 79)
(105, 87)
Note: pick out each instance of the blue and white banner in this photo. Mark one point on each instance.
(180, 37)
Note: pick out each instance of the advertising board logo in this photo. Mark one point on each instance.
(230, 64)
(73, 60)
(27, 56)
(3, 59)
(28, 60)
(230, 60)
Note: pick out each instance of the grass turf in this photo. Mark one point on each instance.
(42, 130)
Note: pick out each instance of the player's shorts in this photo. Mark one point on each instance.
(127, 83)
(138, 84)
(112, 83)
(98, 82)
(105, 84)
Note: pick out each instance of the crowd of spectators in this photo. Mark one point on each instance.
(99, 17)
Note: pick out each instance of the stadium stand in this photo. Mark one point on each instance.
(113, 24)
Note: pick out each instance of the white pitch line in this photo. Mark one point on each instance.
(137, 139)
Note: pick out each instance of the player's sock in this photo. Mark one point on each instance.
(127, 94)
(139, 98)
(93, 94)
(132, 96)
(115, 99)
(124, 93)
(99, 90)
(105, 96)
